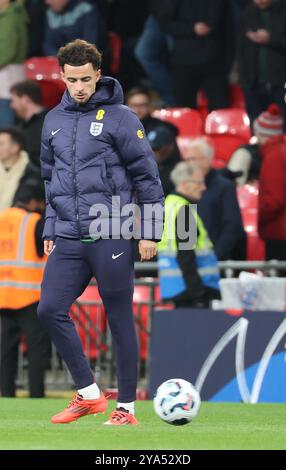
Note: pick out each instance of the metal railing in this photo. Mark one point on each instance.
(89, 319)
(229, 268)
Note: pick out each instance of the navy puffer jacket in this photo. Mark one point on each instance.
(91, 154)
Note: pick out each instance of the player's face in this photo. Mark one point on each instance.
(80, 81)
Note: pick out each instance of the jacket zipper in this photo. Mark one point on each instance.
(74, 173)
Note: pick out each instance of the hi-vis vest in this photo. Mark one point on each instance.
(21, 269)
(172, 282)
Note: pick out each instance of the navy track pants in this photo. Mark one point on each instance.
(69, 269)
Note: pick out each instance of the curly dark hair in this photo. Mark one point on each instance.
(30, 88)
(16, 135)
(79, 52)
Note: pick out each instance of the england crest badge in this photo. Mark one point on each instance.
(96, 128)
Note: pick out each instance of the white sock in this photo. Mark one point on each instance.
(90, 393)
(127, 406)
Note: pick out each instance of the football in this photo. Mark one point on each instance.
(177, 402)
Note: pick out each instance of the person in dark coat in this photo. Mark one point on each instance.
(127, 18)
(218, 206)
(152, 52)
(202, 49)
(96, 163)
(36, 10)
(26, 101)
(261, 56)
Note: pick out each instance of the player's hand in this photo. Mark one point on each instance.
(48, 247)
(147, 249)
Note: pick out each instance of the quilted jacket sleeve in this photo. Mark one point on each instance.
(138, 158)
(47, 164)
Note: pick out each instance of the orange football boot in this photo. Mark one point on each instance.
(79, 407)
(120, 417)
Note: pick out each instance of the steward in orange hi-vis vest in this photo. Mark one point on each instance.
(21, 269)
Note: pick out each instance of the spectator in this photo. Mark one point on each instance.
(202, 49)
(164, 145)
(261, 56)
(15, 167)
(139, 100)
(187, 264)
(238, 8)
(248, 157)
(246, 160)
(71, 19)
(21, 272)
(152, 51)
(272, 183)
(13, 51)
(36, 10)
(127, 20)
(218, 206)
(26, 101)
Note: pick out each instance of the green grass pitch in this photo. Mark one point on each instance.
(24, 424)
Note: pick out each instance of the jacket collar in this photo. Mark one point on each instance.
(108, 91)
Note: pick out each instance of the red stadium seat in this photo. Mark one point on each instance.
(42, 68)
(47, 71)
(115, 46)
(247, 196)
(248, 202)
(224, 146)
(228, 129)
(188, 121)
(52, 92)
(228, 121)
(255, 246)
(236, 100)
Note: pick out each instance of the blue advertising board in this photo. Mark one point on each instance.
(228, 358)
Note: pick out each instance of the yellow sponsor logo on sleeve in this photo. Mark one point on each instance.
(140, 134)
(100, 114)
